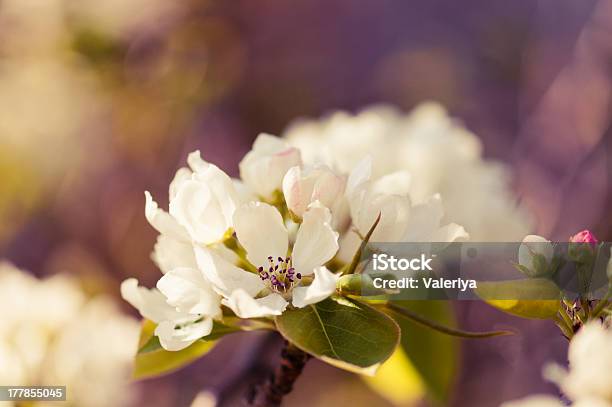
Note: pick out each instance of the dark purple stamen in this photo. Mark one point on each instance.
(280, 276)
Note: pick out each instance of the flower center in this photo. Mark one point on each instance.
(279, 276)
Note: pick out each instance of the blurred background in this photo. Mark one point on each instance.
(102, 100)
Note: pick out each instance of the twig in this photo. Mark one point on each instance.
(280, 382)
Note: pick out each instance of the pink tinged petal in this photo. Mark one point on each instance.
(261, 231)
(316, 242)
(263, 168)
(328, 188)
(196, 209)
(245, 306)
(297, 190)
(300, 188)
(174, 338)
(162, 221)
(224, 276)
(149, 302)
(170, 253)
(188, 291)
(323, 285)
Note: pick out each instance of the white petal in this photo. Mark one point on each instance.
(197, 210)
(245, 306)
(222, 187)
(174, 338)
(188, 291)
(162, 221)
(224, 276)
(397, 183)
(323, 285)
(535, 401)
(149, 302)
(244, 193)
(170, 253)
(182, 175)
(450, 233)
(359, 175)
(261, 231)
(424, 220)
(262, 169)
(316, 242)
(394, 213)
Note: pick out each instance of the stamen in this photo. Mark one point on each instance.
(280, 276)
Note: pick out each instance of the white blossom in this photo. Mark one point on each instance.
(440, 155)
(280, 277)
(588, 381)
(202, 204)
(590, 364)
(180, 320)
(55, 334)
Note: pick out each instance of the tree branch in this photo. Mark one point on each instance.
(280, 382)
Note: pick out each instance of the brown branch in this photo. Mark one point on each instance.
(280, 382)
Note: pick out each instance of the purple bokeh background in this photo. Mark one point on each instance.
(531, 78)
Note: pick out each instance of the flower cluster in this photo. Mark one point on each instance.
(588, 383)
(277, 238)
(441, 155)
(52, 334)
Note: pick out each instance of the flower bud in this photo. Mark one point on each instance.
(584, 236)
(581, 246)
(535, 256)
(302, 187)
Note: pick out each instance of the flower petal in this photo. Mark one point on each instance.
(261, 231)
(323, 285)
(224, 276)
(197, 209)
(174, 338)
(359, 175)
(424, 220)
(262, 169)
(162, 221)
(188, 291)
(170, 253)
(245, 306)
(149, 302)
(182, 175)
(316, 242)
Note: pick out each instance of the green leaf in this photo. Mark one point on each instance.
(342, 332)
(520, 297)
(434, 355)
(152, 360)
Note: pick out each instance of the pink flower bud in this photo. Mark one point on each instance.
(584, 236)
